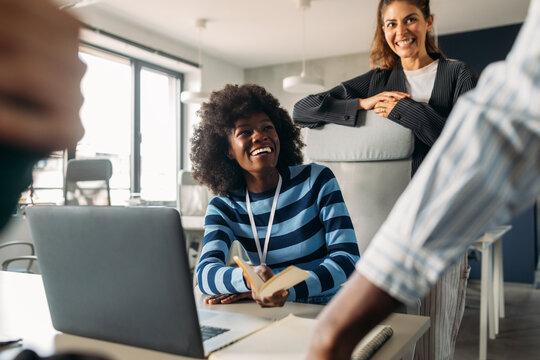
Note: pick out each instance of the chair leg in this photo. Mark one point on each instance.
(108, 193)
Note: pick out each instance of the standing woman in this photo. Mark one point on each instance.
(414, 85)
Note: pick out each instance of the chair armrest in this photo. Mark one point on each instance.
(30, 258)
(11, 243)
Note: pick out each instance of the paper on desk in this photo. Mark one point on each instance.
(284, 339)
(288, 339)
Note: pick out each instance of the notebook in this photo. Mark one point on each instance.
(286, 339)
(121, 274)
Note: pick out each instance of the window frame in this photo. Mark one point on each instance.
(137, 65)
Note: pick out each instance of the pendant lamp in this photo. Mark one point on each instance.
(303, 83)
(196, 97)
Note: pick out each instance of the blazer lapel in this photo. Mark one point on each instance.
(396, 80)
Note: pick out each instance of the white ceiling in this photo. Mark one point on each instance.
(253, 33)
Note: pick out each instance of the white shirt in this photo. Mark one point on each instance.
(420, 82)
(482, 171)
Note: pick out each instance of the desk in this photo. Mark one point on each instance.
(24, 313)
(492, 285)
(193, 223)
(194, 232)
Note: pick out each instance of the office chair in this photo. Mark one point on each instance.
(372, 164)
(29, 258)
(95, 173)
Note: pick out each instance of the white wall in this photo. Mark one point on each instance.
(216, 74)
(332, 70)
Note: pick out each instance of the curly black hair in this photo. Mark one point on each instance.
(210, 142)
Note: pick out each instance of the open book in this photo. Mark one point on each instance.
(288, 339)
(289, 277)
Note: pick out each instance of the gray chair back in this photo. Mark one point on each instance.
(94, 174)
(372, 163)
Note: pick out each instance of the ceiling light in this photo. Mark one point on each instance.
(196, 97)
(303, 83)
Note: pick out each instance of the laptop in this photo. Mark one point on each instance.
(121, 274)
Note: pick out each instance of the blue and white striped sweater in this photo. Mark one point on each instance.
(312, 230)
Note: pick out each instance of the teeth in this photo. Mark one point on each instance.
(405, 42)
(261, 150)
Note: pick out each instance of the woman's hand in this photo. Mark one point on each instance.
(276, 300)
(263, 271)
(226, 298)
(383, 108)
(369, 103)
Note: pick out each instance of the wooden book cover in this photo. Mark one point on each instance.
(288, 339)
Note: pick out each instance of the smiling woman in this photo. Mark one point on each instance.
(247, 150)
(413, 84)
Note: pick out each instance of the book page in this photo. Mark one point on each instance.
(284, 280)
(253, 277)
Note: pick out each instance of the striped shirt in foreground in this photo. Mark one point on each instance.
(481, 172)
(312, 230)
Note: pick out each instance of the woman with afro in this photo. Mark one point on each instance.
(248, 151)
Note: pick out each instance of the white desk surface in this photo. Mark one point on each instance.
(24, 313)
(193, 222)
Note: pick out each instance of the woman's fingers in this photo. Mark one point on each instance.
(264, 272)
(276, 300)
(215, 299)
(232, 298)
(226, 298)
(384, 108)
(395, 94)
(392, 96)
(371, 102)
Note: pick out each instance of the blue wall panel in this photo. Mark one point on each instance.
(479, 48)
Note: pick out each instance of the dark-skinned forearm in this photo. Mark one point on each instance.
(355, 310)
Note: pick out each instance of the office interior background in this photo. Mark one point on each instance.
(142, 54)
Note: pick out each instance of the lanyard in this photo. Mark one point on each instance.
(262, 255)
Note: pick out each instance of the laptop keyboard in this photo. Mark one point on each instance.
(209, 332)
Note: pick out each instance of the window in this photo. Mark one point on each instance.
(159, 111)
(107, 118)
(48, 180)
(124, 98)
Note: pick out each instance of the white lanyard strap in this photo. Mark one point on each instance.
(262, 255)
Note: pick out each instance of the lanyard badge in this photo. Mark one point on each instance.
(262, 254)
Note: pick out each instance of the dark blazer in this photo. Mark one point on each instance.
(340, 104)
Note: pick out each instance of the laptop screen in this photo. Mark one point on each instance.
(118, 274)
